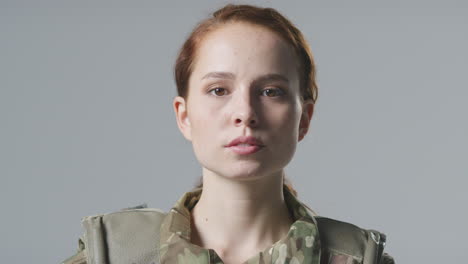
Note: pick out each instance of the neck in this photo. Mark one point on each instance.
(240, 216)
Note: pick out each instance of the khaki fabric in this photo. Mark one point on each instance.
(129, 236)
(300, 245)
(150, 236)
(345, 243)
(78, 258)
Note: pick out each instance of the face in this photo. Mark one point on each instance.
(244, 83)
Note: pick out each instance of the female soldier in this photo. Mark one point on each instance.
(246, 94)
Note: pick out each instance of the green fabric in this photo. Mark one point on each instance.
(300, 245)
(133, 235)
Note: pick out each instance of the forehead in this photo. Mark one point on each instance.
(245, 50)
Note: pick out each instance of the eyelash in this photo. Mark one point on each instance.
(214, 89)
(277, 90)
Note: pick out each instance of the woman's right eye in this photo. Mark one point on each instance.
(218, 91)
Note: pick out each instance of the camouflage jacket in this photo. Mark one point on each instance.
(302, 244)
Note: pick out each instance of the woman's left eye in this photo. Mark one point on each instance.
(272, 92)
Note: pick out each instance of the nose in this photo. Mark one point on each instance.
(244, 113)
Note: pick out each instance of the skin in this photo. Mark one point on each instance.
(241, 210)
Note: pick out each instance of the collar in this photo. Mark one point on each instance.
(301, 243)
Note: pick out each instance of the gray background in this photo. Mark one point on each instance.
(87, 125)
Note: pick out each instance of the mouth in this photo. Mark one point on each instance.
(245, 149)
(245, 145)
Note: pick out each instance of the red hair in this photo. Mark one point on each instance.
(268, 18)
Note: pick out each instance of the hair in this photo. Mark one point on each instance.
(267, 18)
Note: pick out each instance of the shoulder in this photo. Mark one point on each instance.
(131, 215)
(78, 258)
(343, 238)
(109, 231)
(80, 255)
(331, 229)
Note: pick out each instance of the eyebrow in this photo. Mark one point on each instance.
(219, 75)
(263, 78)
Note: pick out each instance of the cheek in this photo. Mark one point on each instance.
(207, 113)
(285, 128)
(206, 122)
(284, 117)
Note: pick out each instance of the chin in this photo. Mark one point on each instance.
(244, 172)
(245, 176)
(242, 169)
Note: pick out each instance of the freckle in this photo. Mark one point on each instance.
(206, 219)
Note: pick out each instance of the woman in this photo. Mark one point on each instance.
(247, 90)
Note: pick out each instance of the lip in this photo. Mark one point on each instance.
(254, 143)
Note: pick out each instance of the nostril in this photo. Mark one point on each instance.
(250, 122)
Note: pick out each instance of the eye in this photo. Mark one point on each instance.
(218, 91)
(272, 92)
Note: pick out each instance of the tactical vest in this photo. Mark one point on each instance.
(131, 236)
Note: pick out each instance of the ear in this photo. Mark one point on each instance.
(183, 122)
(307, 111)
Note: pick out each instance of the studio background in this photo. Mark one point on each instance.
(87, 125)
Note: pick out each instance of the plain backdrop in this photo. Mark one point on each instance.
(87, 125)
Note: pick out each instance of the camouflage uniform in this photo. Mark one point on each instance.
(342, 244)
(300, 245)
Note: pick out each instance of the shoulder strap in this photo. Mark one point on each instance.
(132, 236)
(345, 240)
(78, 258)
(123, 237)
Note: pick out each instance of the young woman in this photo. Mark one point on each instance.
(247, 90)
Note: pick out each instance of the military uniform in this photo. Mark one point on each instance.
(302, 244)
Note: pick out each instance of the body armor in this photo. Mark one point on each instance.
(150, 236)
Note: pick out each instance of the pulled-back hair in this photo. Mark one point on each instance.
(268, 18)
